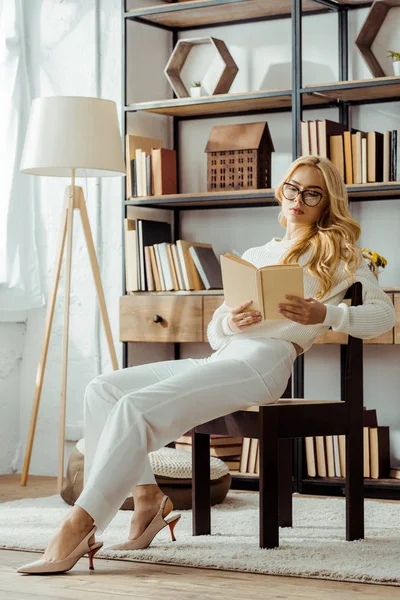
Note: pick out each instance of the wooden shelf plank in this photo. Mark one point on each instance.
(340, 480)
(264, 197)
(196, 13)
(379, 88)
(219, 104)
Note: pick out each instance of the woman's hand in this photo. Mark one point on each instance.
(239, 318)
(306, 311)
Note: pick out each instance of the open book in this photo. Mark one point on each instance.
(266, 286)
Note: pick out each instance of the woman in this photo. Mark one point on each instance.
(132, 412)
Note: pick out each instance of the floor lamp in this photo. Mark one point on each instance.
(70, 137)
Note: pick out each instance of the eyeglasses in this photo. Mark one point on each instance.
(309, 197)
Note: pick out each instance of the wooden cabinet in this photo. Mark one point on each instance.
(155, 317)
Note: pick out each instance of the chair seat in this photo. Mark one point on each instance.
(294, 402)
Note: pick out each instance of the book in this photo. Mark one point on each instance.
(266, 286)
(395, 473)
(337, 153)
(305, 138)
(348, 157)
(327, 129)
(157, 281)
(379, 444)
(393, 156)
(131, 260)
(132, 143)
(164, 172)
(207, 265)
(233, 465)
(313, 138)
(159, 268)
(364, 176)
(360, 160)
(251, 466)
(336, 458)
(330, 461)
(386, 155)
(190, 274)
(165, 266)
(217, 451)
(149, 234)
(367, 469)
(215, 439)
(320, 453)
(172, 268)
(178, 267)
(310, 457)
(149, 271)
(375, 156)
(244, 455)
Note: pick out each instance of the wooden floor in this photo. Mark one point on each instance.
(119, 579)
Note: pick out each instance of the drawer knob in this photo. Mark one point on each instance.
(157, 319)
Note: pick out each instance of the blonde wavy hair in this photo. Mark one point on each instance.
(332, 238)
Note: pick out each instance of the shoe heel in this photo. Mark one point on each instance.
(91, 556)
(171, 526)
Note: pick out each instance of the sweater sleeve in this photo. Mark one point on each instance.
(375, 316)
(218, 330)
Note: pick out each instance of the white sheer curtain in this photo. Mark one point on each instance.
(20, 287)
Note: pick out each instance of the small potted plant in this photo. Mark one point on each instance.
(375, 261)
(395, 56)
(195, 90)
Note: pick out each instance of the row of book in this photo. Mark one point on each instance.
(224, 447)
(151, 168)
(326, 455)
(154, 263)
(360, 156)
(250, 457)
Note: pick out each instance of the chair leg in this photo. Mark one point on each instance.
(269, 477)
(201, 485)
(285, 482)
(354, 484)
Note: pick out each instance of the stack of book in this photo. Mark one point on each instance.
(326, 455)
(151, 169)
(154, 263)
(250, 459)
(360, 156)
(224, 447)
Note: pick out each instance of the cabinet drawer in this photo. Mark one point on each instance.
(210, 305)
(397, 325)
(180, 318)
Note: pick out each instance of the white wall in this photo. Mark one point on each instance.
(74, 49)
(63, 61)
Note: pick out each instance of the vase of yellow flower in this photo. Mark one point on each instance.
(375, 261)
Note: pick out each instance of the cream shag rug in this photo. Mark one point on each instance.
(315, 547)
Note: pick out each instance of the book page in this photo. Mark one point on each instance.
(240, 283)
(278, 282)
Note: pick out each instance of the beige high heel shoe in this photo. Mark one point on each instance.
(157, 523)
(43, 567)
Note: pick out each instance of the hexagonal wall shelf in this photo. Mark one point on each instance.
(179, 56)
(369, 31)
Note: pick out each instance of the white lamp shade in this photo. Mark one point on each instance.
(70, 132)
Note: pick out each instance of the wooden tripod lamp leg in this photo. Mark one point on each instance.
(97, 279)
(64, 362)
(46, 339)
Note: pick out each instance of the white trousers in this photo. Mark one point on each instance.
(134, 411)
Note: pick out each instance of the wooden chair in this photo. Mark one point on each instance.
(276, 425)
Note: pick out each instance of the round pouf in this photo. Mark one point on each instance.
(173, 472)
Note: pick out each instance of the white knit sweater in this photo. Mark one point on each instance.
(374, 317)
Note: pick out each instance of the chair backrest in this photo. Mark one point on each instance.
(353, 370)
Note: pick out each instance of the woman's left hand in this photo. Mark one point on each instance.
(307, 311)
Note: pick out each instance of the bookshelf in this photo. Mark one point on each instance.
(342, 94)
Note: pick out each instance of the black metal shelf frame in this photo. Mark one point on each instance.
(301, 483)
